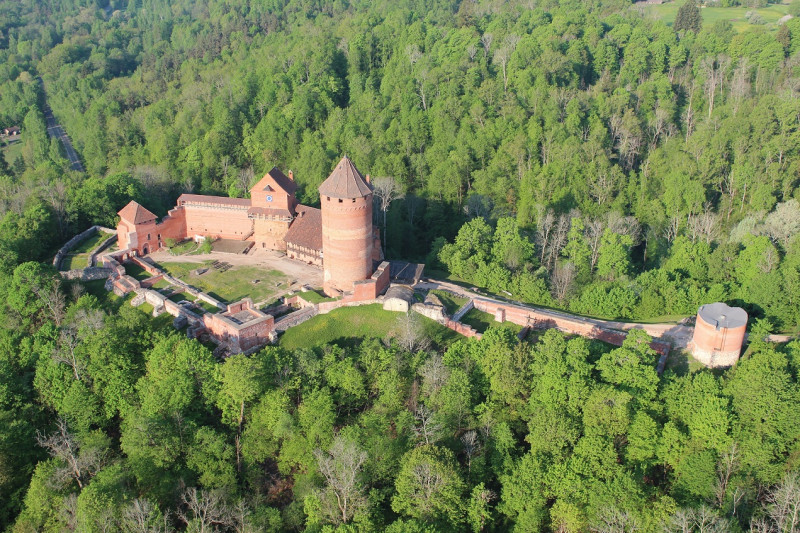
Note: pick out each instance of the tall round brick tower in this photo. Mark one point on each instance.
(718, 334)
(347, 235)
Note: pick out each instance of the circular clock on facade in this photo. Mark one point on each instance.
(269, 198)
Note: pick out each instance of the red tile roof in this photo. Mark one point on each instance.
(345, 182)
(281, 180)
(306, 230)
(133, 212)
(220, 200)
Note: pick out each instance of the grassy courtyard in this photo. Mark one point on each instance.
(78, 257)
(736, 15)
(348, 325)
(233, 284)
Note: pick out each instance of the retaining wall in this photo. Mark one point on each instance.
(102, 246)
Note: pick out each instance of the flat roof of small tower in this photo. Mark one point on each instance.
(722, 315)
(345, 182)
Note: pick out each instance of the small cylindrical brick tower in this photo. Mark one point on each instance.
(347, 236)
(718, 334)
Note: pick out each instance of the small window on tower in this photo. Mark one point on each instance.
(340, 200)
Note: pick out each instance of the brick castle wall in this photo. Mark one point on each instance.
(269, 234)
(225, 222)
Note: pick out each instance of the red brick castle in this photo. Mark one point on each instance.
(340, 237)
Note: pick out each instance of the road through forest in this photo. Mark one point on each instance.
(56, 131)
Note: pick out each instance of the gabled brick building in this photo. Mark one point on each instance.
(263, 219)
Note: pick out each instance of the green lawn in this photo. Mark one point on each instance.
(451, 302)
(160, 284)
(315, 297)
(184, 247)
(234, 284)
(736, 15)
(90, 243)
(178, 297)
(12, 151)
(348, 325)
(74, 261)
(482, 321)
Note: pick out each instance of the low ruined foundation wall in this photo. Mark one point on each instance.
(463, 329)
(87, 274)
(80, 237)
(434, 312)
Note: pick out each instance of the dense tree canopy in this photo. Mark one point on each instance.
(574, 154)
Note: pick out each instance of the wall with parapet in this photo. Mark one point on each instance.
(218, 221)
(575, 326)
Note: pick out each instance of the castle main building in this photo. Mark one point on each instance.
(340, 236)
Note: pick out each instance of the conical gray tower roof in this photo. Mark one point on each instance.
(345, 182)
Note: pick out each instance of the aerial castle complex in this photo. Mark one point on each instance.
(340, 237)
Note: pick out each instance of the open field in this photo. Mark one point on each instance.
(347, 325)
(736, 15)
(12, 151)
(233, 284)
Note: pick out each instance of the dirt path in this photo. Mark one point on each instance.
(299, 272)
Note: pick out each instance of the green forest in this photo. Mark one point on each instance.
(574, 154)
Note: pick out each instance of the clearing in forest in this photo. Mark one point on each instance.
(735, 15)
